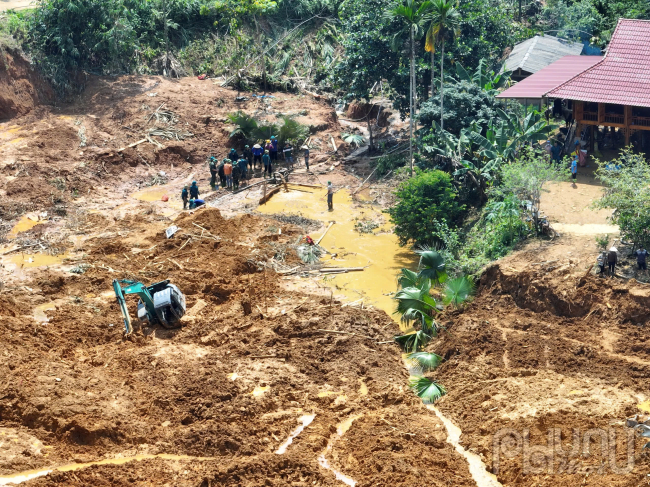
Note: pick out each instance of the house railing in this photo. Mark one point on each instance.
(642, 121)
(614, 118)
(590, 116)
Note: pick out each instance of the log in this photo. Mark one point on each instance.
(365, 181)
(132, 145)
(323, 235)
(333, 144)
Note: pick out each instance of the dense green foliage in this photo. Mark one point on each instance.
(465, 103)
(486, 30)
(526, 181)
(628, 192)
(587, 18)
(422, 202)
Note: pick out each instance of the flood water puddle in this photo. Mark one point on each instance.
(32, 474)
(380, 251)
(27, 222)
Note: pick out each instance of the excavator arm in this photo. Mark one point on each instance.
(132, 287)
(161, 303)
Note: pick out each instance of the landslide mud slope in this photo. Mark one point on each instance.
(68, 156)
(550, 349)
(232, 384)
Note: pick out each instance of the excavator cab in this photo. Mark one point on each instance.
(161, 303)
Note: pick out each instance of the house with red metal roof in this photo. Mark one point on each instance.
(615, 92)
(532, 90)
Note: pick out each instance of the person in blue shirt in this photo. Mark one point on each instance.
(194, 202)
(194, 190)
(185, 194)
(257, 155)
(574, 169)
(274, 149)
(266, 159)
(243, 167)
(556, 149)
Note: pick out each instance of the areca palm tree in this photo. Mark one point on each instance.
(445, 22)
(413, 14)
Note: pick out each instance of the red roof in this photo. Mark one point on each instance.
(623, 76)
(553, 75)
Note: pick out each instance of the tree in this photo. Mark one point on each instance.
(526, 177)
(162, 14)
(423, 200)
(368, 55)
(417, 307)
(412, 14)
(445, 22)
(466, 103)
(627, 181)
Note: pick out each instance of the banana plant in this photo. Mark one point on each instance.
(457, 151)
(487, 79)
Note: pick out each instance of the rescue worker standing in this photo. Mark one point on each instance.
(227, 170)
(233, 156)
(330, 196)
(185, 195)
(243, 168)
(612, 259)
(222, 175)
(248, 155)
(274, 148)
(194, 190)
(257, 155)
(236, 174)
(266, 159)
(213, 173)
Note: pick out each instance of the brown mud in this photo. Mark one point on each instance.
(545, 346)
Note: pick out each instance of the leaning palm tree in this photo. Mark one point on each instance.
(413, 15)
(445, 22)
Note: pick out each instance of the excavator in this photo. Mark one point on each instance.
(161, 303)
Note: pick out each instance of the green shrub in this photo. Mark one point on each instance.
(422, 202)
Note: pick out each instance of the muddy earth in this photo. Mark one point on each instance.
(277, 377)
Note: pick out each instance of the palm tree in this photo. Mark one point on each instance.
(413, 14)
(445, 22)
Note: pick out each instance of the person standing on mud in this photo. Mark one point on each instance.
(266, 159)
(243, 168)
(330, 196)
(248, 155)
(274, 149)
(306, 155)
(257, 155)
(194, 190)
(288, 153)
(641, 256)
(602, 258)
(185, 195)
(227, 170)
(574, 169)
(213, 172)
(233, 156)
(236, 174)
(612, 259)
(222, 175)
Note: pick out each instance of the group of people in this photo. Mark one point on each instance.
(190, 196)
(235, 167)
(609, 259)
